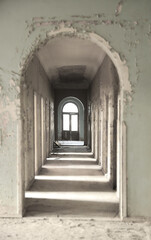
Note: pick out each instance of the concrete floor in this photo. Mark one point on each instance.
(73, 229)
(71, 184)
(73, 149)
(59, 177)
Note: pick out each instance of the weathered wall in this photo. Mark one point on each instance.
(35, 85)
(126, 25)
(104, 94)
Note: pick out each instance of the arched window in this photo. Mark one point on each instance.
(70, 120)
(70, 108)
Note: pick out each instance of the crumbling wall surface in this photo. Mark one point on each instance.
(104, 95)
(35, 82)
(9, 138)
(126, 26)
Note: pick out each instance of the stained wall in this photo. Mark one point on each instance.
(126, 25)
(38, 127)
(104, 120)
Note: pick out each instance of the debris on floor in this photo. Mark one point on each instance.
(72, 229)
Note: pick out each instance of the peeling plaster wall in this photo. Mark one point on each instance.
(36, 82)
(104, 94)
(126, 25)
(10, 136)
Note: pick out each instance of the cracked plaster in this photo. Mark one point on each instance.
(63, 30)
(34, 30)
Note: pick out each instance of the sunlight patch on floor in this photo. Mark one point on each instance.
(76, 196)
(72, 153)
(73, 178)
(85, 167)
(71, 143)
(71, 159)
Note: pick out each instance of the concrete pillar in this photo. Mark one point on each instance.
(105, 135)
(101, 138)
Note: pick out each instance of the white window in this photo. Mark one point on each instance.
(70, 108)
(70, 117)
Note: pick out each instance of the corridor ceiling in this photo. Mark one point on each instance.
(71, 62)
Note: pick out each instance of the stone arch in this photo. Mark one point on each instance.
(120, 65)
(125, 89)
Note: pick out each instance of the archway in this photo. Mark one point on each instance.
(80, 111)
(102, 115)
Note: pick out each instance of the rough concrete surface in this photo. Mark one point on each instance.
(64, 228)
(71, 185)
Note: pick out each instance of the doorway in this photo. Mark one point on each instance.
(70, 120)
(98, 88)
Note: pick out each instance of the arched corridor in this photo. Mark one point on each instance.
(97, 52)
(67, 179)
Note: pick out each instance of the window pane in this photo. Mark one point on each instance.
(74, 122)
(66, 122)
(70, 107)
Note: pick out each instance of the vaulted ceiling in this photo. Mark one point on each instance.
(71, 62)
